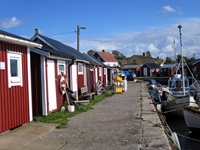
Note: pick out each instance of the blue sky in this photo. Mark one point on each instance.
(129, 26)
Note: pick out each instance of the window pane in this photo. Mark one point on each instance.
(80, 68)
(61, 68)
(13, 68)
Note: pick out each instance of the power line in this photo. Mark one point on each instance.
(62, 33)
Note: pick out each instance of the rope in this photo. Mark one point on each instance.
(168, 131)
(192, 139)
(172, 110)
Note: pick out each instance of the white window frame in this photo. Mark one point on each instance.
(80, 68)
(15, 81)
(60, 62)
(100, 71)
(105, 71)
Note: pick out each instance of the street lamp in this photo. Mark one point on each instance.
(78, 36)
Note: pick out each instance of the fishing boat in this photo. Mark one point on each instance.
(192, 118)
(176, 86)
(192, 113)
(175, 104)
(176, 96)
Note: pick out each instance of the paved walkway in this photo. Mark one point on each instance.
(124, 121)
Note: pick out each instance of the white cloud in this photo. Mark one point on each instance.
(160, 42)
(9, 23)
(168, 9)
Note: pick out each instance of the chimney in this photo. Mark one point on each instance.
(103, 50)
(37, 31)
(143, 54)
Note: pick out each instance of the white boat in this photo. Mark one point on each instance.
(176, 86)
(192, 115)
(192, 119)
(175, 104)
(176, 97)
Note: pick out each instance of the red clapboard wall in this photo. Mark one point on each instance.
(14, 101)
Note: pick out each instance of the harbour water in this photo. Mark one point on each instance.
(187, 140)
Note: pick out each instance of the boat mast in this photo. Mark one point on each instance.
(183, 76)
(174, 51)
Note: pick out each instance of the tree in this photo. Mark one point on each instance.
(169, 60)
(191, 59)
(118, 55)
(179, 59)
(91, 52)
(148, 53)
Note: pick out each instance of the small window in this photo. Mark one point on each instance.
(80, 68)
(100, 71)
(105, 71)
(14, 69)
(61, 67)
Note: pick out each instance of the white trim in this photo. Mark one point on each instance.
(100, 71)
(61, 58)
(44, 88)
(61, 62)
(19, 41)
(85, 74)
(82, 69)
(29, 86)
(15, 81)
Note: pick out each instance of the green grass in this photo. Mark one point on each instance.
(61, 118)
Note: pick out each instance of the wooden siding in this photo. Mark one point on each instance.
(14, 101)
(60, 97)
(92, 80)
(104, 76)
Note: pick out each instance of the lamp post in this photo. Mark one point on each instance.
(78, 36)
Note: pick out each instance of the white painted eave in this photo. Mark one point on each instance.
(60, 58)
(19, 41)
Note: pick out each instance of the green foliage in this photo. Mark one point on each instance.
(190, 59)
(61, 118)
(169, 60)
(187, 60)
(118, 55)
(148, 53)
(91, 52)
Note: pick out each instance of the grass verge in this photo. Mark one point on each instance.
(61, 118)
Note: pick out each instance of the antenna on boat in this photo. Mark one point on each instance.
(183, 76)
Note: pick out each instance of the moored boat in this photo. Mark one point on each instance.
(175, 104)
(192, 115)
(192, 119)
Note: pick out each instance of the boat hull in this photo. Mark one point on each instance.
(192, 119)
(176, 105)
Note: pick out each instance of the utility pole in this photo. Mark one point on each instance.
(78, 36)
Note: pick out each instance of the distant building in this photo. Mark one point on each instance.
(107, 58)
(142, 59)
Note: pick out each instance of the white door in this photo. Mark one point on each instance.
(51, 85)
(74, 84)
(145, 71)
(96, 75)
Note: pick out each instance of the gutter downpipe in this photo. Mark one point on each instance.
(69, 71)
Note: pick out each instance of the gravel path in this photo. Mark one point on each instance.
(115, 123)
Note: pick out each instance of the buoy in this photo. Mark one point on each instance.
(118, 90)
(63, 109)
(159, 107)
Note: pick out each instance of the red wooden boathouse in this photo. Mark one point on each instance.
(15, 80)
